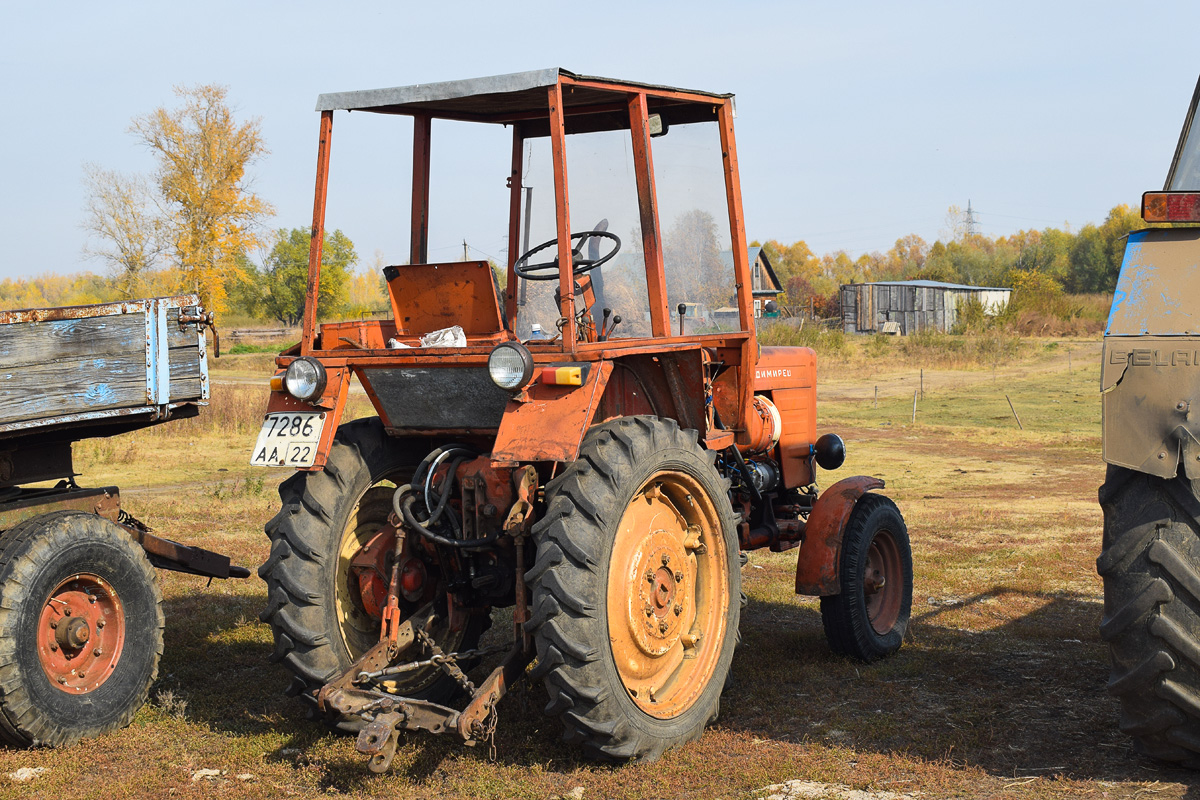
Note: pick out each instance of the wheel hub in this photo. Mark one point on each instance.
(80, 634)
(883, 597)
(664, 592)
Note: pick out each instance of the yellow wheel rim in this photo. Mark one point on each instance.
(668, 594)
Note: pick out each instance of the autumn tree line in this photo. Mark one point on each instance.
(195, 225)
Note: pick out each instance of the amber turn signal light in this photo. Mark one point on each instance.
(1171, 207)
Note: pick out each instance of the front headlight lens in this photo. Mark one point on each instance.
(511, 366)
(305, 378)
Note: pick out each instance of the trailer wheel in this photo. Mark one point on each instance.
(636, 590)
(868, 618)
(1151, 570)
(314, 604)
(81, 628)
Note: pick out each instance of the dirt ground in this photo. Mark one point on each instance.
(999, 690)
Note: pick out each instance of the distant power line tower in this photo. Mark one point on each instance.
(972, 224)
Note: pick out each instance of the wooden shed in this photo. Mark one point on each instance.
(906, 307)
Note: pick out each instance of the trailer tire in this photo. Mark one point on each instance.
(307, 536)
(1150, 564)
(635, 590)
(868, 618)
(95, 678)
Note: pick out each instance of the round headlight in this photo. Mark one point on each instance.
(305, 378)
(511, 366)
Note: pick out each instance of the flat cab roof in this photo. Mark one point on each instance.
(521, 97)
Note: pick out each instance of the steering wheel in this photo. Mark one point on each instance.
(548, 270)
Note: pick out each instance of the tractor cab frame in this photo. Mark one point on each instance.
(550, 103)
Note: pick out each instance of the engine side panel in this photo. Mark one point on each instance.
(788, 375)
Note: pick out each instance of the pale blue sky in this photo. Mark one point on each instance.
(857, 122)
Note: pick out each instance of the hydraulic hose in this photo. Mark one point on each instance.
(402, 503)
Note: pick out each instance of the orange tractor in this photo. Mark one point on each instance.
(548, 440)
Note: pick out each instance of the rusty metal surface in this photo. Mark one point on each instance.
(29, 503)
(429, 297)
(308, 326)
(820, 554)
(167, 554)
(550, 425)
(95, 310)
(656, 287)
(419, 238)
(1149, 386)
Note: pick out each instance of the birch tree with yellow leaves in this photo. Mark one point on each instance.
(212, 217)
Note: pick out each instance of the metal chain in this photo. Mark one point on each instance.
(447, 664)
(489, 731)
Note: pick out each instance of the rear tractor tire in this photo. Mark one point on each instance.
(81, 629)
(636, 590)
(867, 620)
(314, 601)
(1151, 570)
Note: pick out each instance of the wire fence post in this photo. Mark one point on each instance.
(914, 417)
(1014, 410)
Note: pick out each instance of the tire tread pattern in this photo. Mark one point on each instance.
(1152, 611)
(583, 502)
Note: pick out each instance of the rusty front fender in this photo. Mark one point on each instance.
(817, 567)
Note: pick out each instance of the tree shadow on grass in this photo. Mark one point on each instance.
(1022, 697)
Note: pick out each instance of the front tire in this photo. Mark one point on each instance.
(81, 629)
(1151, 570)
(867, 620)
(636, 590)
(320, 626)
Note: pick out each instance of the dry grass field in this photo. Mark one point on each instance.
(998, 691)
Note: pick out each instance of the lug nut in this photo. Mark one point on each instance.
(54, 645)
(662, 626)
(666, 559)
(649, 609)
(99, 624)
(678, 577)
(678, 609)
(62, 680)
(98, 652)
(649, 577)
(53, 624)
(91, 598)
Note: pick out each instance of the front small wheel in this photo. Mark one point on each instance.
(867, 620)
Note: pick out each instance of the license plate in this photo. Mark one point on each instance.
(288, 440)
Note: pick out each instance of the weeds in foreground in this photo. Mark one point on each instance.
(251, 485)
(170, 704)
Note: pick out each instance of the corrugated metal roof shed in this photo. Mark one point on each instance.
(912, 306)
